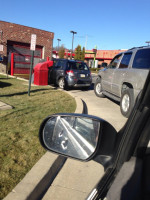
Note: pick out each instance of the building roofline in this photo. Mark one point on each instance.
(26, 26)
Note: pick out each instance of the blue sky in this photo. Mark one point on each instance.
(109, 24)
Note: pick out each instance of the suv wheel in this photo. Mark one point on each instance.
(61, 83)
(127, 102)
(98, 88)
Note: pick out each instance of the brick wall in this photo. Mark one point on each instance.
(19, 33)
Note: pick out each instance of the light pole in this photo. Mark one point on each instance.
(73, 32)
(148, 42)
(58, 43)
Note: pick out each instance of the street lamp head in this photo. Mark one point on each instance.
(148, 42)
(59, 39)
(73, 32)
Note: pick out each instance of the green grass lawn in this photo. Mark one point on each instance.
(19, 144)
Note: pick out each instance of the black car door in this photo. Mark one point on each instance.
(57, 70)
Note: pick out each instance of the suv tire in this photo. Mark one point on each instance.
(127, 102)
(98, 88)
(61, 83)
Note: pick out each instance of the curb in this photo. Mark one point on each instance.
(38, 180)
(14, 77)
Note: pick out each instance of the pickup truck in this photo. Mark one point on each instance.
(124, 78)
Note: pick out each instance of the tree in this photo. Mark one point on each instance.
(61, 52)
(83, 54)
(78, 53)
(66, 55)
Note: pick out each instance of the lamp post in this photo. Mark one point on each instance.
(148, 42)
(73, 32)
(58, 44)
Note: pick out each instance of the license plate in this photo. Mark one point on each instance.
(82, 75)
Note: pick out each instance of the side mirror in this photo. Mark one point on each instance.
(77, 136)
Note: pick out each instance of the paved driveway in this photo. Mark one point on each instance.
(76, 179)
(101, 107)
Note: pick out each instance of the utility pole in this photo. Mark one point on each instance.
(73, 32)
(86, 38)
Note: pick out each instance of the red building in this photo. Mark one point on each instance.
(16, 39)
(101, 56)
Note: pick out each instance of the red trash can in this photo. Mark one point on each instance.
(41, 73)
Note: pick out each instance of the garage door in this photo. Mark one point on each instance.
(22, 57)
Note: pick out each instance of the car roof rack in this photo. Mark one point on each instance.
(138, 47)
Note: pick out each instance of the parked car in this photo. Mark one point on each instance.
(70, 73)
(125, 155)
(123, 79)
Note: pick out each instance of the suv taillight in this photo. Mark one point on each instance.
(70, 73)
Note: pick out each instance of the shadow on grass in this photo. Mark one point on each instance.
(3, 84)
(22, 93)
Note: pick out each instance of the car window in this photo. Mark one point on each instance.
(115, 62)
(125, 60)
(77, 66)
(59, 64)
(142, 59)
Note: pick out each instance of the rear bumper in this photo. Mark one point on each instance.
(82, 85)
(78, 83)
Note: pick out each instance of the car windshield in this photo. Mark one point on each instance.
(77, 66)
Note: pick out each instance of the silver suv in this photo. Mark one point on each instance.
(124, 77)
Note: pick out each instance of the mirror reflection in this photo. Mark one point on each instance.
(72, 136)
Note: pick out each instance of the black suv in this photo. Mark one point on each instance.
(70, 73)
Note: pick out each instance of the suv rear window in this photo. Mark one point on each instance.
(142, 59)
(77, 66)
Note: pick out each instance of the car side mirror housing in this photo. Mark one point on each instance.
(78, 136)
